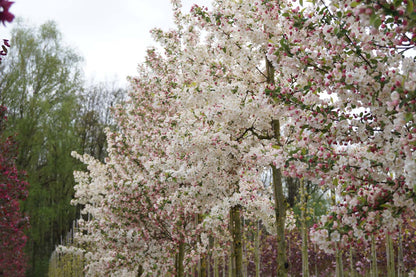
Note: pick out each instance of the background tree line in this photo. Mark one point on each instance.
(52, 111)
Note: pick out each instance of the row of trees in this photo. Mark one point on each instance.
(51, 112)
(321, 94)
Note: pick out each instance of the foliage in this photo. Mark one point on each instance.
(13, 190)
(52, 113)
(39, 82)
(68, 264)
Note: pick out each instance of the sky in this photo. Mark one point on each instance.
(112, 36)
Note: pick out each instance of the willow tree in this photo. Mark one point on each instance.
(39, 82)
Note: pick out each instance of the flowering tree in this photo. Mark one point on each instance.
(364, 134)
(140, 212)
(12, 222)
(340, 85)
(324, 94)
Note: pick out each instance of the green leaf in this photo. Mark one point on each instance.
(408, 117)
(397, 3)
(375, 20)
(354, 4)
(409, 8)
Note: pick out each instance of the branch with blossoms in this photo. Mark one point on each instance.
(5, 16)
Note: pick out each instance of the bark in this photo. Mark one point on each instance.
(231, 266)
(304, 232)
(400, 265)
(279, 198)
(216, 266)
(140, 271)
(374, 269)
(237, 255)
(390, 256)
(202, 269)
(257, 249)
(245, 260)
(280, 211)
(179, 260)
(339, 264)
(292, 191)
(352, 264)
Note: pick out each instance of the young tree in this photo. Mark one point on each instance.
(13, 224)
(140, 217)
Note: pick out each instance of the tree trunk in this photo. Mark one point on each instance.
(257, 249)
(216, 262)
(231, 264)
(179, 260)
(400, 265)
(292, 190)
(140, 271)
(279, 198)
(374, 269)
(245, 259)
(202, 268)
(339, 264)
(390, 256)
(304, 232)
(352, 264)
(280, 210)
(237, 255)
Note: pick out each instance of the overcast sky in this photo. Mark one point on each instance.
(112, 36)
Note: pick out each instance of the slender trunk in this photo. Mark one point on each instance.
(390, 256)
(216, 267)
(339, 264)
(303, 209)
(224, 265)
(231, 264)
(179, 260)
(400, 266)
(280, 210)
(237, 240)
(202, 266)
(140, 271)
(374, 269)
(339, 270)
(257, 249)
(244, 234)
(352, 270)
(279, 198)
(216, 263)
(231, 259)
(316, 264)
